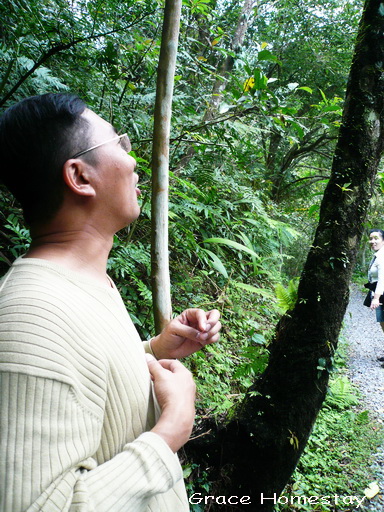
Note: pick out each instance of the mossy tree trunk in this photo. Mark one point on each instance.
(255, 451)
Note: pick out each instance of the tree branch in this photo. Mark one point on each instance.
(60, 48)
(313, 178)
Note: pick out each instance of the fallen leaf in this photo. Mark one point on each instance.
(371, 491)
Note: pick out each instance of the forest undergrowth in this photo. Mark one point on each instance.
(337, 459)
(335, 469)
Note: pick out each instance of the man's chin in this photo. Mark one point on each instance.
(129, 221)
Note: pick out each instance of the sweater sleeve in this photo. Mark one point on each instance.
(148, 348)
(48, 439)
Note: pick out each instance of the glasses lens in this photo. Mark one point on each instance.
(125, 143)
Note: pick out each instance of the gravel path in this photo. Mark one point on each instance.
(366, 342)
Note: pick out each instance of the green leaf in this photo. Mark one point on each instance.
(187, 470)
(259, 339)
(307, 89)
(298, 127)
(323, 96)
(217, 263)
(260, 79)
(287, 297)
(249, 288)
(314, 208)
(232, 244)
(267, 55)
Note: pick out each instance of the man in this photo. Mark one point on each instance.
(81, 429)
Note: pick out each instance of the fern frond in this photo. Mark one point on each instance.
(287, 296)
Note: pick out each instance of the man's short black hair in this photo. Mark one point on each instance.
(37, 136)
(380, 231)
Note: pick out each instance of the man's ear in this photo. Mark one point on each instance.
(77, 176)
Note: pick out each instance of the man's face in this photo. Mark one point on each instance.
(376, 241)
(114, 179)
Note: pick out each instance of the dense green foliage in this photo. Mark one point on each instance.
(247, 170)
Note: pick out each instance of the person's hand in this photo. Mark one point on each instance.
(375, 303)
(187, 333)
(175, 391)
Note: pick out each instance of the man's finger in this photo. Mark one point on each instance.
(199, 316)
(213, 316)
(185, 331)
(214, 330)
(173, 365)
(210, 340)
(153, 365)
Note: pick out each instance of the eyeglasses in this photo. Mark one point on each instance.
(125, 144)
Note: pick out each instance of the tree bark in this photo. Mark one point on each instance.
(256, 449)
(160, 163)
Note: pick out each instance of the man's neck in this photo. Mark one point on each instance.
(79, 251)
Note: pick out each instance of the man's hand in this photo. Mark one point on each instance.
(175, 392)
(187, 333)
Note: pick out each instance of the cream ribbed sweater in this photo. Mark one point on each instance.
(76, 401)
